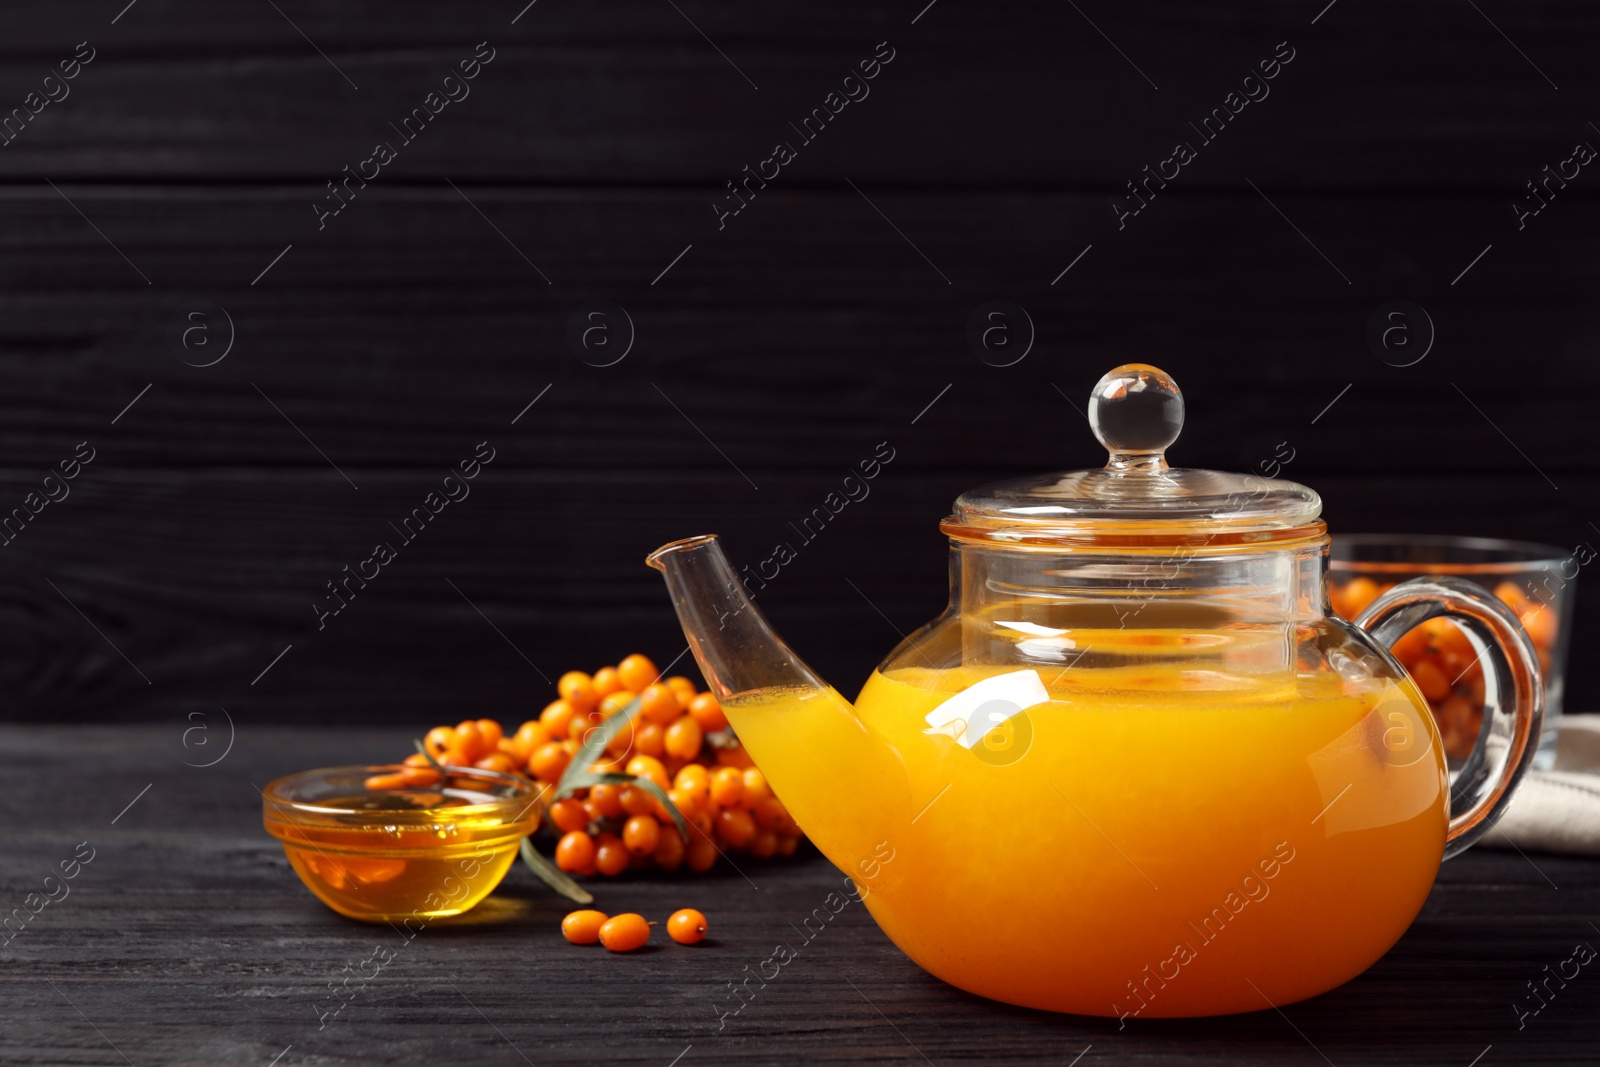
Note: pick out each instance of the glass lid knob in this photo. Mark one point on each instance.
(1136, 411)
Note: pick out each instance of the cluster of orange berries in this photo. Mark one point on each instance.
(678, 740)
(1442, 661)
(624, 933)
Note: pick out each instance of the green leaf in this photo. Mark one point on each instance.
(580, 773)
(672, 809)
(553, 876)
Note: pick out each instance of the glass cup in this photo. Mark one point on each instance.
(1536, 581)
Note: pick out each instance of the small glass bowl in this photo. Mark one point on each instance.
(391, 855)
(1535, 580)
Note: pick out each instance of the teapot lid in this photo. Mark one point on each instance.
(1136, 411)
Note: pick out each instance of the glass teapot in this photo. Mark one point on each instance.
(1137, 768)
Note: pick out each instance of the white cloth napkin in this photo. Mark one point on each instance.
(1558, 810)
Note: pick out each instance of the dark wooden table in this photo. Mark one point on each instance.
(187, 940)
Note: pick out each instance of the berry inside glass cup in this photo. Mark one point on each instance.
(1536, 581)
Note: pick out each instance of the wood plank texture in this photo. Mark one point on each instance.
(187, 940)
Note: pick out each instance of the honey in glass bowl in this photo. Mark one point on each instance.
(385, 855)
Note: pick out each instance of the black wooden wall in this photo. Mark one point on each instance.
(373, 350)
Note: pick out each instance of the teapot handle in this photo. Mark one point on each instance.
(1510, 732)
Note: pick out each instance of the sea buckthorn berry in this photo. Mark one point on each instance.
(772, 815)
(439, 740)
(686, 802)
(577, 689)
(606, 682)
(1411, 647)
(610, 855)
(416, 759)
(693, 778)
(708, 712)
(683, 738)
(1511, 594)
(651, 768)
(669, 851)
(756, 789)
(393, 780)
(583, 927)
(735, 757)
(641, 834)
(1357, 594)
(621, 742)
(568, 814)
(624, 933)
(701, 855)
(529, 736)
(468, 742)
(1431, 679)
(683, 687)
(1540, 622)
(548, 761)
(735, 827)
(727, 786)
(499, 762)
(787, 844)
(615, 702)
(649, 739)
(686, 926)
(637, 672)
(575, 852)
(608, 798)
(659, 704)
(490, 733)
(637, 802)
(578, 727)
(764, 845)
(555, 717)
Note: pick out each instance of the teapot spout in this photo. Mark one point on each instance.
(807, 739)
(735, 646)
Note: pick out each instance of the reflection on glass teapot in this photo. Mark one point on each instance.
(1137, 767)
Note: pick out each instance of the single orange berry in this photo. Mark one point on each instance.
(606, 682)
(468, 742)
(610, 855)
(756, 789)
(583, 927)
(577, 689)
(764, 844)
(624, 933)
(685, 801)
(659, 704)
(637, 672)
(641, 834)
(575, 853)
(693, 778)
(683, 687)
(608, 798)
(569, 814)
(686, 926)
(708, 713)
(701, 855)
(787, 844)
(548, 761)
(727, 786)
(490, 732)
(735, 827)
(651, 768)
(684, 737)
(439, 740)
(555, 717)
(499, 762)
(669, 851)
(636, 801)
(649, 739)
